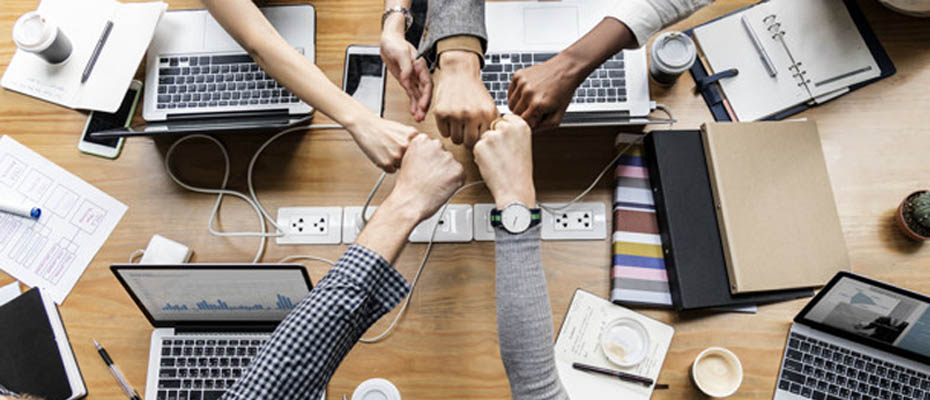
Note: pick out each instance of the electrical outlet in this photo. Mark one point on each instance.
(484, 232)
(581, 221)
(352, 222)
(310, 225)
(455, 226)
(574, 221)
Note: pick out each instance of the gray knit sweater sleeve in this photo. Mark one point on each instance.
(524, 318)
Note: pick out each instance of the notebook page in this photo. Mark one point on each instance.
(579, 341)
(823, 37)
(753, 94)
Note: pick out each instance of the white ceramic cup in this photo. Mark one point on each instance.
(35, 34)
(717, 372)
(376, 389)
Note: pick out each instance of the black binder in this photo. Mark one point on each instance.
(714, 96)
(30, 360)
(697, 272)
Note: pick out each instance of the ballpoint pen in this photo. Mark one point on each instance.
(619, 374)
(96, 54)
(133, 395)
(763, 55)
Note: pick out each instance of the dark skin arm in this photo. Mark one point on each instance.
(541, 93)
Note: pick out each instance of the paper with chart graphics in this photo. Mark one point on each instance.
(77, 218)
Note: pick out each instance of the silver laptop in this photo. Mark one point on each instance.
(210, 320)
(858, 339)
(523, 33)
(198, 79)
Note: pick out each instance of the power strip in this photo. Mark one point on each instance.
(461, 223)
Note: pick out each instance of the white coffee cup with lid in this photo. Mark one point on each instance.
(36, 34)
(673, 53)
(717, 372)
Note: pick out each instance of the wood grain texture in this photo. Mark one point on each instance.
(876, 141)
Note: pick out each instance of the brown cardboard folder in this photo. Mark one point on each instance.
(775, 206)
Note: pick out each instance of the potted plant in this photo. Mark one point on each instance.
(914, 215)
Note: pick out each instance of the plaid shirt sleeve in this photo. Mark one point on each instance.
(305, 349)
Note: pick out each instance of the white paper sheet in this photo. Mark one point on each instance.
(83, 22)
(9, 292)
(579, 341)
(77, 218)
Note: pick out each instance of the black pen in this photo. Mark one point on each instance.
(618, 374)
(96, 54)
(132, 393)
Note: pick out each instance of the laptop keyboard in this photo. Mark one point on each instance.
(819, 370)
(607, 84)
(235, 81)
(202, 369)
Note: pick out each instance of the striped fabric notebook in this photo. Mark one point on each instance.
(638, 274)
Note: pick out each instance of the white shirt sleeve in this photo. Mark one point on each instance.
(646, 17)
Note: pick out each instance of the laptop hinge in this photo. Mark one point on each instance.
(224, 329)
(282, 113)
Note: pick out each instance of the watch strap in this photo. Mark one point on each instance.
(408, 18)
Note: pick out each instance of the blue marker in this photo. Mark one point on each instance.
(20, 210)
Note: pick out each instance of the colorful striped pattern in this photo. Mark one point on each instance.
(638, 274)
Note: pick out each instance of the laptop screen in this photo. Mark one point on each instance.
(206, 294)
(875, 313)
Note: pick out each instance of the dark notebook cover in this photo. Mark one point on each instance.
(30, 362)
(697, 271)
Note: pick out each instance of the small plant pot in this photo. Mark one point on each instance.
(902, 221)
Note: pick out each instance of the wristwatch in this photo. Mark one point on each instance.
(516, 218)
(408, 19)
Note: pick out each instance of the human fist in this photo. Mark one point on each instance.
(540, 94)
(428, 176)
(462, 105)
(505, 158)
(383, 141)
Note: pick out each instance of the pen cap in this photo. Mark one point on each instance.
(34, 33)
(672, 54)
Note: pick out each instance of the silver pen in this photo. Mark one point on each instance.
(763, 55)
(130, 392)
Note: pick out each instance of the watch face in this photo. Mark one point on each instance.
(516, 218)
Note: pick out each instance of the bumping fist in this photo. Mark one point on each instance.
(505, 158)
(461, 103)
(428, 176)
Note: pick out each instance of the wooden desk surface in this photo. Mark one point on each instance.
(876, 142)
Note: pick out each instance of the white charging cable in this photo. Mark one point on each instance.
(416, 278)
(251, 199)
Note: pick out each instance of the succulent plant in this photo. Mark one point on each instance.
(921, 209)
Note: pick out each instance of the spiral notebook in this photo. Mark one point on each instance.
(790, 53)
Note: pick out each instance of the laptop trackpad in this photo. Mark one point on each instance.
(550, 25)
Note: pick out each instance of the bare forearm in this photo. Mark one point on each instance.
(395, 23)
(246, 24)
(606, 39)
(387, 231)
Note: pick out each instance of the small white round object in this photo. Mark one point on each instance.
(625, 342)
(916, 8)
(32, 32)
(516, 218)
(376, 389)
(717, 372)
(673, 53)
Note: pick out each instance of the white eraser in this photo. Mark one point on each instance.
(162, 250)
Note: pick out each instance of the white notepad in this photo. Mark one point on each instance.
(816, 48)
(579, 341)
(83, 22)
